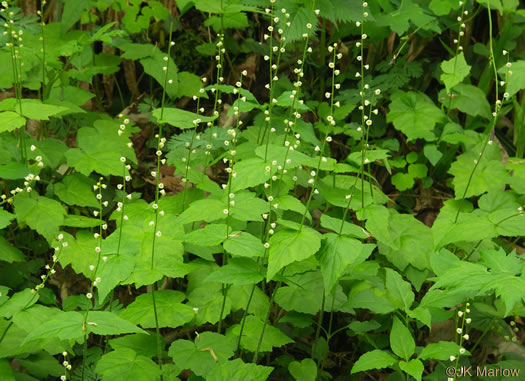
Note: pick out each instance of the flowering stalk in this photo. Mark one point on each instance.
(94, 267)
(461, 336)
(159, 189)
(217, 100)
(15, 43)
(50, 271)
(230, 202)
(497, 108)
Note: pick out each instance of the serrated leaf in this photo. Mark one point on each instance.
(70, 326)
(489, 175)
(100, 148)
(516, 82)
(454, 71)
(349, 228)
(9, 253)
(306, 370)
(77, 189)
(40, 213)
(439, 351)
(251, 172)
(399, 289)
(180, 118)
(10, 121)
(273, 337)
(400, 19)
(206, 352)
(413, 367)
(401, 340)
(243, 244)
(209, 235)
(238, 271)
(376, 359)
(170, 311)
(336, 255)
(203, 210)
(468, 99)
(238, 370)
(125, 364)
(414, 114)
(31, 108)
(287, 246)
(154, 65)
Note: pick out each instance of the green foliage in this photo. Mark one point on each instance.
(244, 189)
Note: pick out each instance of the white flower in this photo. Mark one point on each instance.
(89, 295)
(459, 331)
(226, 211)
(462, 350)
(452, 358)
(266, 245)
(158, 234)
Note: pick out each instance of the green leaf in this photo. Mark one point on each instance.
(41, 214)
(454, 71)
(489, 175)
(414, 114)
(409, 241)
(17, 302)
(443, 7)
(42, 365)
(10, 121)
(13, 171)
(10, 253)
(516, 82)
(81, 221)
(439, 351)
(376, 359)
(6, 372)
(251, 172)
(306, 370)
(203, 210)
(468, 99)
(303, 294)
(125, 364)
(238, 271)
(209, 235)
(180, 118)
(401, 340)
(238, 370)
(287, 246)
(77, 189)
(494, 4)
(31, 108)
(421, 314)
(413, 367)
(154, 65)
(403, 181)
(349, 228)
(69, 326)
(100, 149)
(336, 255)
(204, 354)
(171, 312)
(273, 337)
(142, 344)
(243, 244)
(399, 289)
(400, 19)
(371, 297)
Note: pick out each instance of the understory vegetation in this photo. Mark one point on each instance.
(232, 190)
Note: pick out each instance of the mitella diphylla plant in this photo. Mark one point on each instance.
(246, 189)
